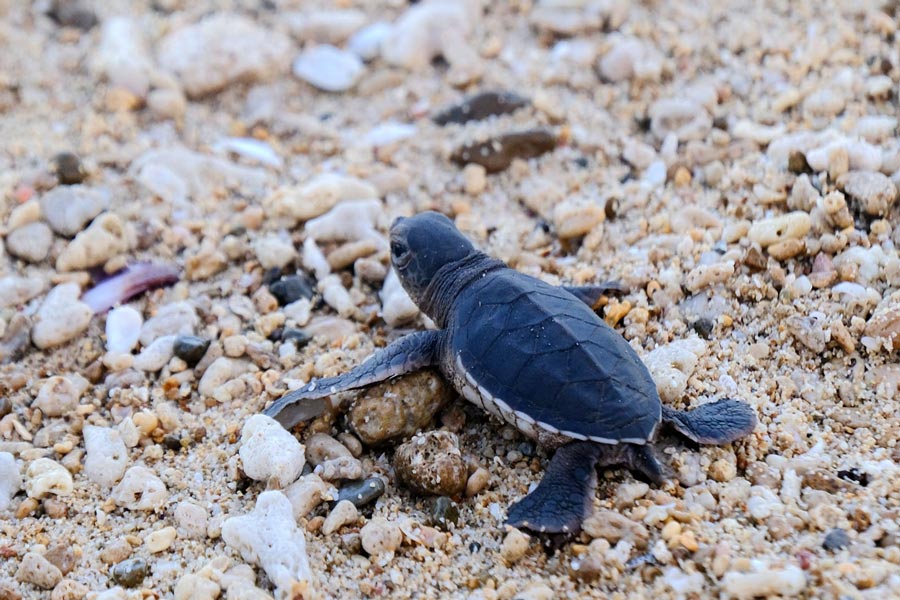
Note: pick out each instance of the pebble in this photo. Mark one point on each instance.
(38, 571)
(72, 13)
(325, 26)
(444, 512)
(59, 396)
(292, 288)
(104, 239)
(122, 56)
(514, 546)
(398, 408)
(574, 218)
(481, 106)
(140, 489)
(45, 476)
(380, 536)
(314, 260)
(350, 220)
(269, 453)
(177, 318)
(167, 104)
(19, 290)
(30, 242)
(10, 480)
(190, 348)
(794, 225)
(123, 328)
(397, 307)
(69, 589)
(428, 30)
(176, 173)
(274, 251)
(875, 192)
(328, 68)
(222, 49)
(320, 195)
(336, 296)
(366, 43)
(613, 526)
(474, 179)
(786, 582)
(477, 482)
(252, 149)
(115, 551)
(67, 209)
(192, 520)
(62, 556)
(61, 317)
(836, 539)
(362, 493)
(155, 356)
(130, 573)
(631, 58)
(342, 514)
(704, 276)
(160, 540)
(269, 537)
(307, 493)
(431, 463)
(107, 456)
(672, 364)
(194, 587)
(497, 154)
(685, 118)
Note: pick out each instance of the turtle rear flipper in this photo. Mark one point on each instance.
(562, 500)
(716, 423)
(409, 353)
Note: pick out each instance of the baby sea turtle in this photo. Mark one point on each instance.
(534, 355)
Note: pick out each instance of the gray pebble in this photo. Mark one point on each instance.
(130, 573)
(190, 348)
(364, 492)
(836, 539)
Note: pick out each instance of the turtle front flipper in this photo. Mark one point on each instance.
(409, 353)
(562, 500)
(592, 294)
(716, 423)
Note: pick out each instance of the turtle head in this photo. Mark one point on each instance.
(421, 245)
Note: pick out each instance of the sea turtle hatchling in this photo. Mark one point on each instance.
(534, 355)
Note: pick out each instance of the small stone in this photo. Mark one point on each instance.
(123, 328)
(875, 192)
(797, 163)
(380, 536)
(397, 307)
(296, 336)
(105, 238)
(69, 589)
(325, 26)
(177, 318)
(497, 154)
(705, 276)
(366, 43)
(192, 520)
(480, 106)
(115, 551)
(190, 348)
(321, 448)
(269, 453)
(786, 582)
(167, 103)
(307, 493)
(274, 251)
(44, 477)
(574, 218)
(836, 539)
(631, 58)
(292, 288)
(19, 290)
(347, 254)
(123, 58)
(61, 317)
(58, 397)
(362, 493)
(612, 526)
(130, 573)
(474, 179)
(328, 68)
(140, 489)
(220, 372)
(62, 557)
(155, 356)
(336, 296)
(793, 225)
(444, 512)
(107, 456)
(38, 571)
(68, 209)
(160, 540)
(194, 587)
(477, 482)
(10, 480)
(398, 408)
(222, 49)
(431, 463)
(269, 537)
(9, 591)
(320, 195)
(343, 513)
(72, 13)
(30, 242)
(514, 546)
(672, 364)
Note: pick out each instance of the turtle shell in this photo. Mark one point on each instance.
(546, 355)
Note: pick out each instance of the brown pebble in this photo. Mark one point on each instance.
(69, 589)
(115, 551)
(68, 168)
(797, 163)
(587, 569)
(477, 481)
(62, 556)
(480, 106)
(497, 154)
(315, 524)
(430, 463)
(755, 260)
(55, 509)
(786, 249)
(26, 507)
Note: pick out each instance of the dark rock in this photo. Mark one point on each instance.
(130, 573)
(363, 492)
(854, 475)
(298, 336)
(797, 163)
(836, 539)
(443, 512)
(480, 106)
(5, 406)
(292, 288)
(68, 168)
(190, 348)
(72, 13)
(497, 154)
(704, 327)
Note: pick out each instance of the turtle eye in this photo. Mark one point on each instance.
(400, 253)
